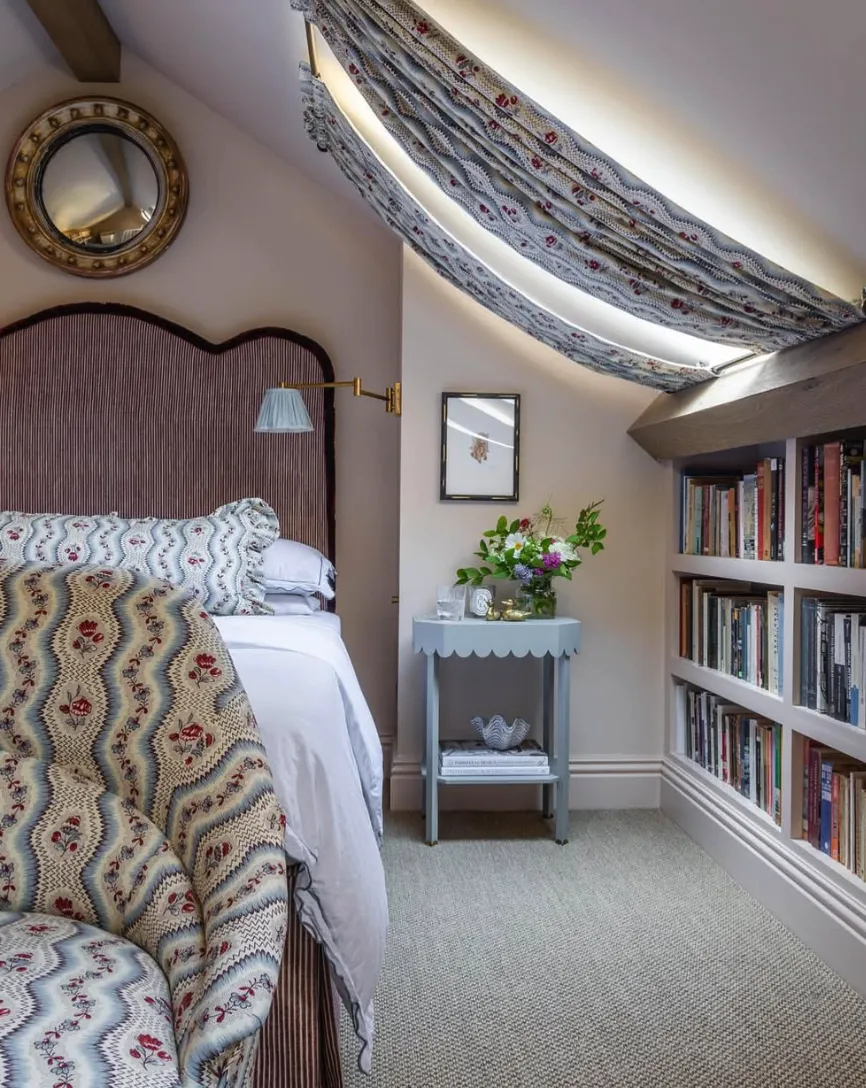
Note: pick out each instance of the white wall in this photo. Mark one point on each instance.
(574, 448)
(262, 245)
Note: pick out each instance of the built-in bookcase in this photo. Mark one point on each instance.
(696, 792)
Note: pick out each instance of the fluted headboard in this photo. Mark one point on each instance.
(106, 407)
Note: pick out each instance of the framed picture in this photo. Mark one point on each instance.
(480, 447)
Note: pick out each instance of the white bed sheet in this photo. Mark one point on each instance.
(326, 760)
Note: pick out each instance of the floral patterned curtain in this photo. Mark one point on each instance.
(554, 197)
(333, 132)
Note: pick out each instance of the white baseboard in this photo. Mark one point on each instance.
(820, 910)
(595, 784)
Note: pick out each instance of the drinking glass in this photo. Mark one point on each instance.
(450, 602)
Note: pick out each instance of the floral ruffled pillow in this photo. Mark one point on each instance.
(218, 557)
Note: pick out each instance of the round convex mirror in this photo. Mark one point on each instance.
(99, 190)
(97, 187)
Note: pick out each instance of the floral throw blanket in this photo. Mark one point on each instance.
(135, 796)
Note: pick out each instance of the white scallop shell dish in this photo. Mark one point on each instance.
(497, 733)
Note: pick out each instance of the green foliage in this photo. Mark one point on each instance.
(524, 543)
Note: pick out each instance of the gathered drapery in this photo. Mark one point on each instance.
(555, 198)
(333, 131)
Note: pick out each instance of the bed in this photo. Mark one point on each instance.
(108, 408)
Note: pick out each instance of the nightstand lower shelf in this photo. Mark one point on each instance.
(552, 642)
(493, 779)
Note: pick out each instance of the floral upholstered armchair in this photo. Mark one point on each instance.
(143, 896)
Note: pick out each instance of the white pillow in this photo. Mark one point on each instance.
(292, 604)
(294, 568)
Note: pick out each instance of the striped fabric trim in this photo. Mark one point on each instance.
(108, 408)
(299, 1043)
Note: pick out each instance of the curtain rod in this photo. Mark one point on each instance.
(311, 49)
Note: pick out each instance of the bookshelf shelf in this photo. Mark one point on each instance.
(765, 572)
(709, 781)
(806, 576)
(820, 579)
(847, 739)
(816, 896)
(748, 696)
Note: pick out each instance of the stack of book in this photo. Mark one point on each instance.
(833, 657)
(834, 801)
(472, 758)
(734, 627)
(833, 505)
(735, 516)
(737, 747)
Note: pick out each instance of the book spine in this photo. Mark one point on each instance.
(493, 772)
(780, 523)
(819, 504)
(814, 799)
(759, 512)
(846, 676)
(805, 812)
(832, 494)
(485, 761)
(826, 805)
(805, 507)
(821, 649)
(774, 507)
(834, 816)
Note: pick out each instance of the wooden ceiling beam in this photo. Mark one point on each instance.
(808, 389)
(83, 36)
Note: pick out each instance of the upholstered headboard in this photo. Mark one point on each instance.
(106, 407)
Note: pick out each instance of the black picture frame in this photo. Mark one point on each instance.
(455, 483)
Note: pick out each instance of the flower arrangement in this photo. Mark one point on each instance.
(531, 552)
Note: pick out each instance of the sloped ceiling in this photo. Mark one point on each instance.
(749, 114)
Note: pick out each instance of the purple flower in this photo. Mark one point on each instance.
(522, 572)
(539, 572)
(552, 561)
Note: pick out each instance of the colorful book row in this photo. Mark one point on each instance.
(737, 747)
(735, 516)
(833, 504)
(735, 628)
(834, 806)
(833, 658)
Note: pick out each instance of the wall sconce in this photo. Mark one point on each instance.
(283, 410)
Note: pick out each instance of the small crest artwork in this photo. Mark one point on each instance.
(480, 447)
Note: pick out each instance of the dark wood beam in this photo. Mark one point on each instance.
(83, 37)
(805, 390)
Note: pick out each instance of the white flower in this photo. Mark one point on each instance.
(565, 551)
(515, 541)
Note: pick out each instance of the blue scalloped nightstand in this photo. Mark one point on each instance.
(554, 641)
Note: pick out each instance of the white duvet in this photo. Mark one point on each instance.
(326, 759)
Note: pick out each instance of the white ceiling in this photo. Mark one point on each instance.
(748, 112)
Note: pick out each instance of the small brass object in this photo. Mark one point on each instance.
(512, 614)
(493, 614)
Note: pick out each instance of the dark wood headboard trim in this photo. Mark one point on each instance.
(316, 349)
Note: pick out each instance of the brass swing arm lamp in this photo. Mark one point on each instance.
(283, 410)
(392, 396)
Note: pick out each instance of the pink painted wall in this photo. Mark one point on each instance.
(262, 245)
(574, 449)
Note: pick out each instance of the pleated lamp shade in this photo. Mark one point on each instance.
(283, 412)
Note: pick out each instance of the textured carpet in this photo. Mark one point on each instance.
(626, 959)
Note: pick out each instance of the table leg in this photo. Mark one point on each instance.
(431, 786)
(563, 731)
(547, 697)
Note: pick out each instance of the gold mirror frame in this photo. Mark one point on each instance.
(54, 127)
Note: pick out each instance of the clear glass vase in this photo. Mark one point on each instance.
(541, 598)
